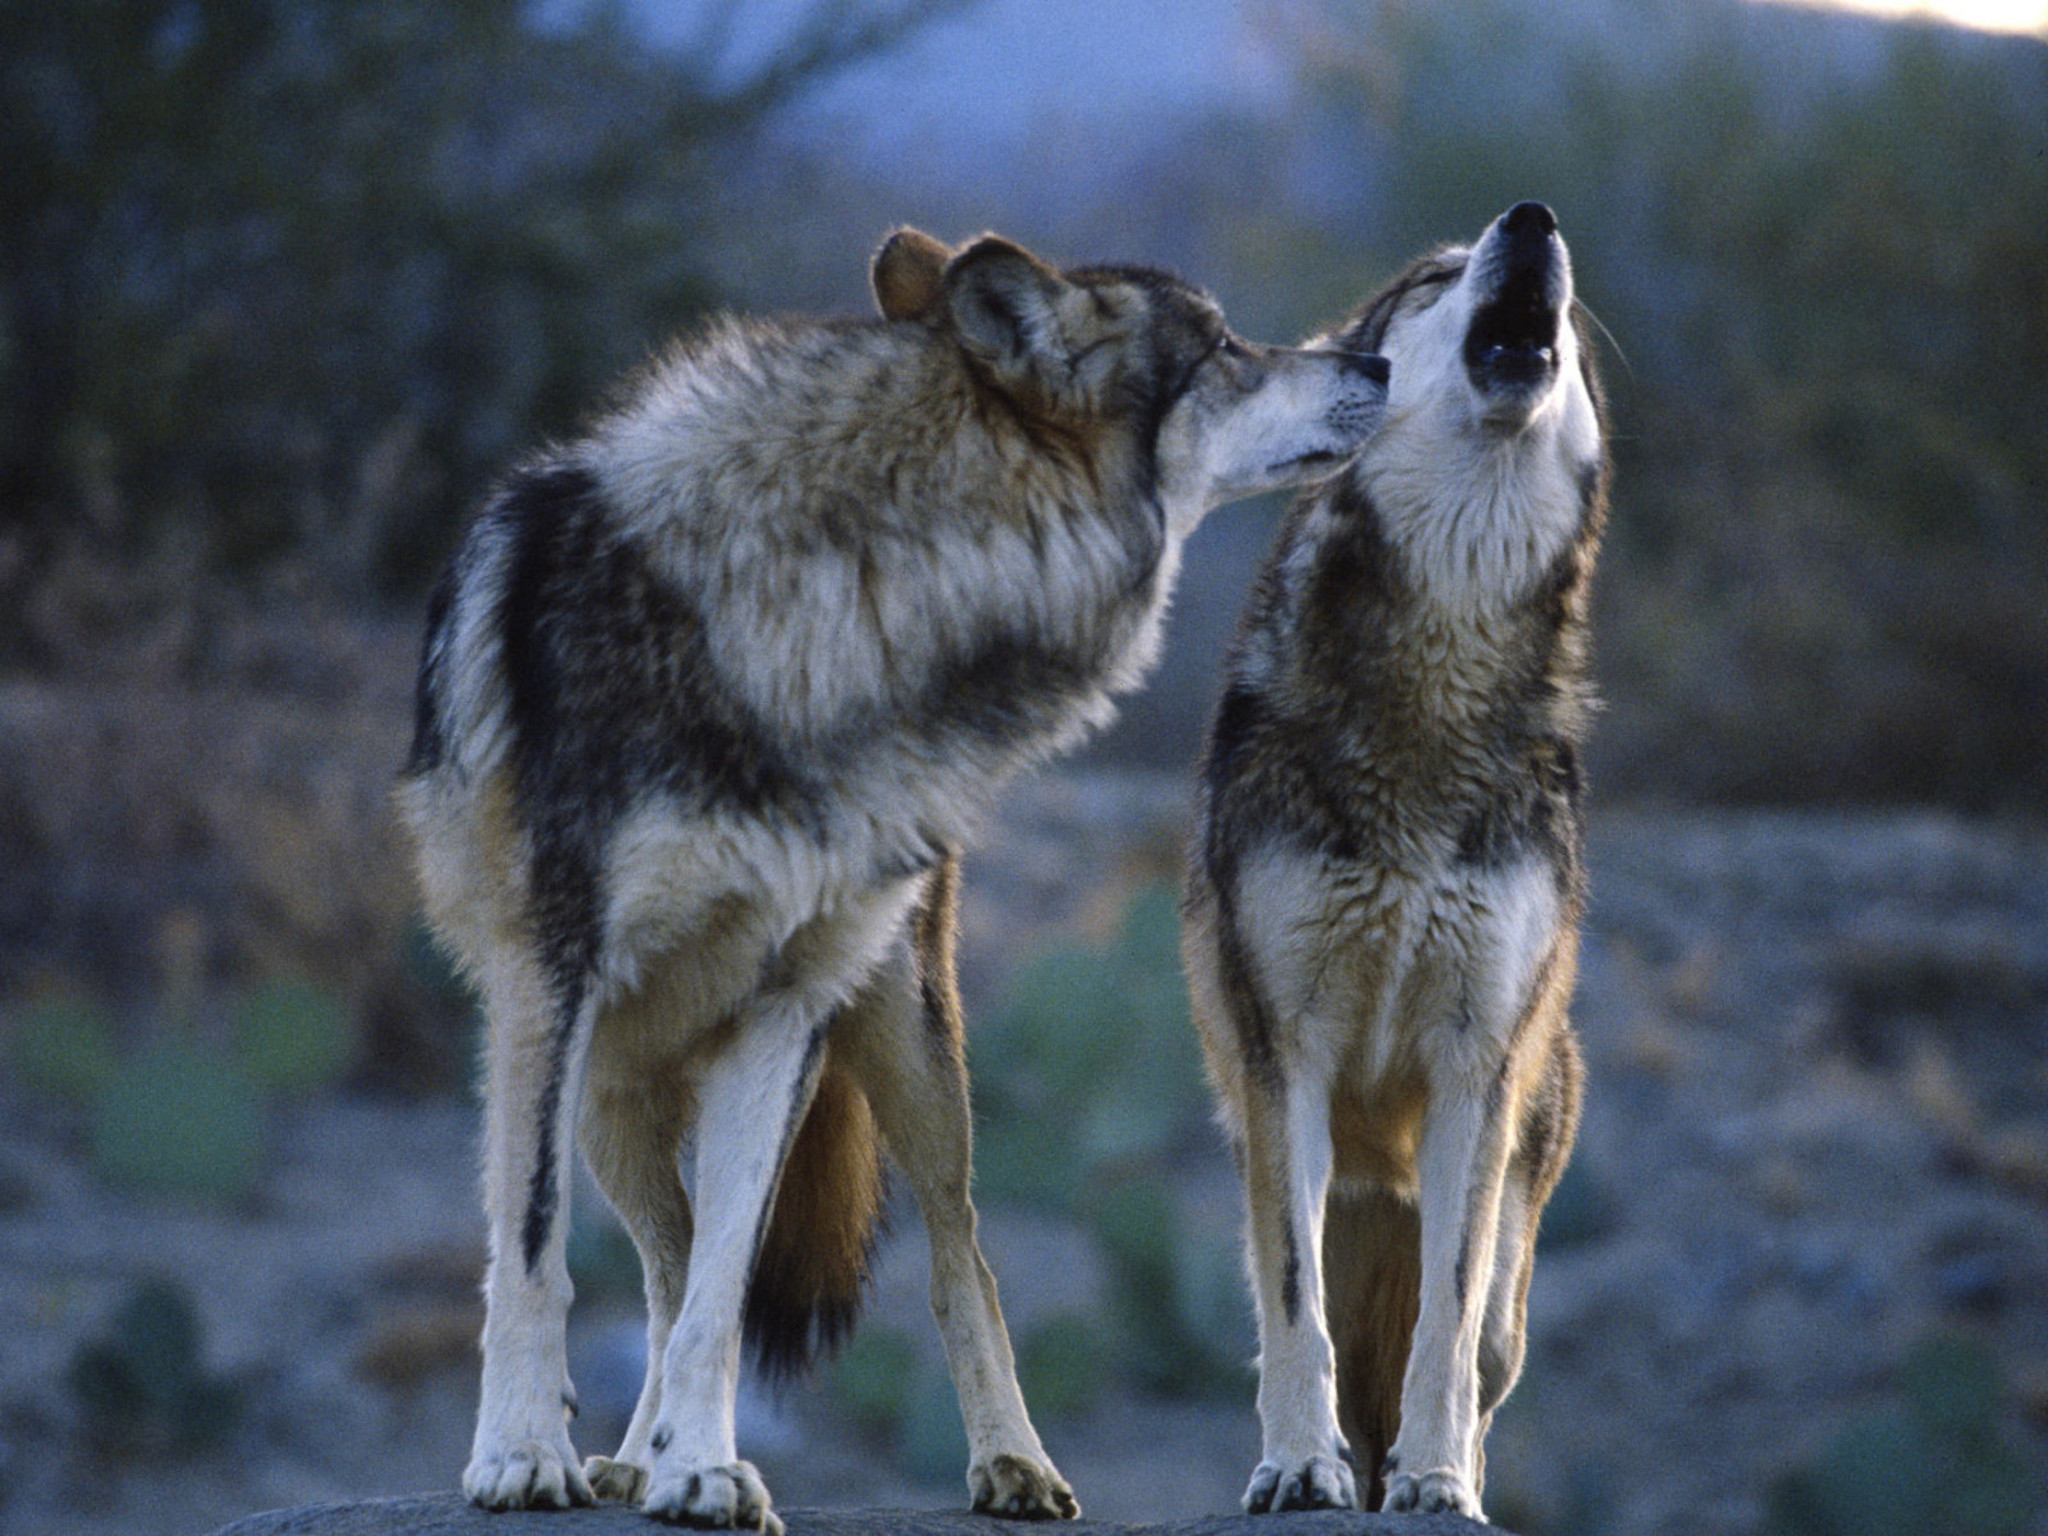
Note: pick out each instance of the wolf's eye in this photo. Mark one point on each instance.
(1427, 294)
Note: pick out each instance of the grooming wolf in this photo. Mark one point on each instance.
(1385, 880)
(709, 701)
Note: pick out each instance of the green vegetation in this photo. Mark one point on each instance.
(182, 1113)
(908, 1406)
(434, 1046)
(931, 1445)
(604, 1266)
(179, 1119)
(291, 1038)
(429, 967)
(1088, 1082)
(1088, 1073)
(1061, 1367)
(142, 1385)
(1179, 1310)
(872, 1378)
(1935, 1461)
(64, 1047)
(1582, 1209)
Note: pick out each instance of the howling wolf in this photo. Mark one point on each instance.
(709, 702)
(1385, 880)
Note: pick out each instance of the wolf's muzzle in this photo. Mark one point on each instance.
(1511, 344)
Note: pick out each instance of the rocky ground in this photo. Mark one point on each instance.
(446, 1514)
(1804, 1247)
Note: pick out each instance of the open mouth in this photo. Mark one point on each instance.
(1512, 341)
(1511, 345)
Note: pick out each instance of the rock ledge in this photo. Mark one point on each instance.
(448, 1514)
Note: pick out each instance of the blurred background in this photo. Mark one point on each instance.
(285, 283)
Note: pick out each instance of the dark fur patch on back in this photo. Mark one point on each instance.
(1003, 693)
(614, 695)
(611, 697)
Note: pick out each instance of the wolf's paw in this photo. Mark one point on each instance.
(728, 1497)
(1320, 1482)
(615, 1482)
(526, 1474)
(1020, 1489)
(1442, 1492)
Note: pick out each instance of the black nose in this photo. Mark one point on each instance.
(1371, 364)
(1529, 219)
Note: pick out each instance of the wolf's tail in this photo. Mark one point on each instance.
(1372, 1287)
(813, 1266)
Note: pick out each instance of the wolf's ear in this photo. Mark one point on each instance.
(908, 274)
(1005, 304)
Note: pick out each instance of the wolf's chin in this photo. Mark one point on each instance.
(1513, 362)
(1512, 381)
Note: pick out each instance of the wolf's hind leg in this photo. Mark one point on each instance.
(632, 1135)
(1549, 1124)
(906, 1047)
(752, 1098)
(538, 1036)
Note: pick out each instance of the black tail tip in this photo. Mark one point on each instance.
(787, 1341)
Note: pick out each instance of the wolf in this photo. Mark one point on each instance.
(710, 700)
(1385, 880)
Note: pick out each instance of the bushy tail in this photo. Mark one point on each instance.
(812, 1270)
(1372, 1280)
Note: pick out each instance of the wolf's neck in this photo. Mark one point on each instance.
(1476, 520)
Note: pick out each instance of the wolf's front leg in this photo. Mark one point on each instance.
(1305, 1464)
(752, 1100)
(1462, 1163)
(904, 1040)
(521, 1457)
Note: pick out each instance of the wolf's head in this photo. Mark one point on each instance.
(1489, 332)
(1132, 350)
(1492, 459)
